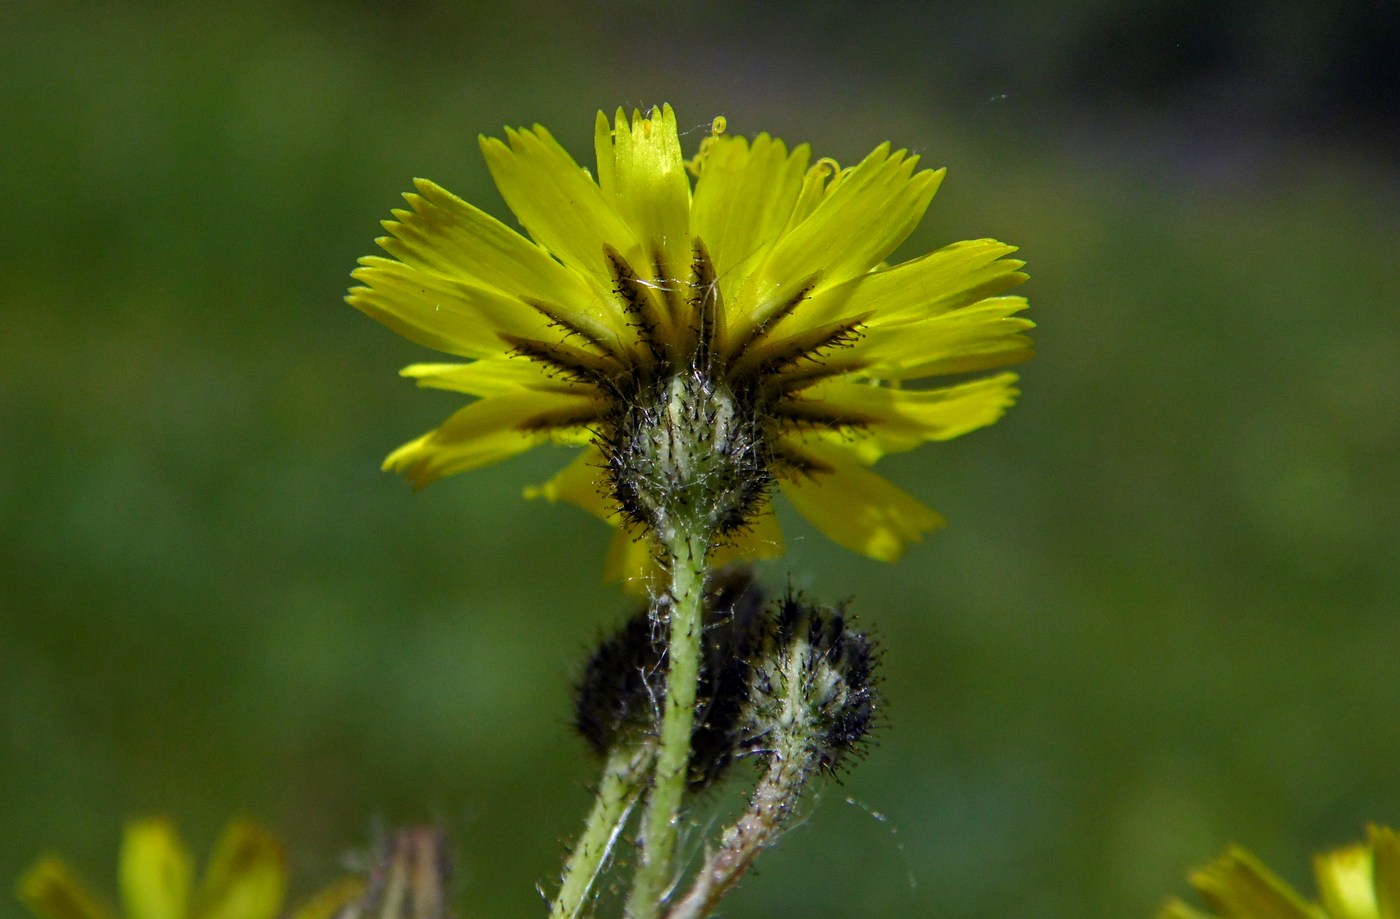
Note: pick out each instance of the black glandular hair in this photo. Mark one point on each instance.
(617, 697)
(836, 693)
(791, 678)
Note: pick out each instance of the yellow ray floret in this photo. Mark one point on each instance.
(246, 878)
(745, 289)
(1359, 881)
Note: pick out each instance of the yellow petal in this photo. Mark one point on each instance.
(50, 890)
(900, 419)
(642, 175)
(1238, 886)
(246, 877)
(559, 204)
(1385, 850)
(950, 278)
(156, 871)
(426, 459)
(1179, 910)
(865, 213)
(583, 482)
(1345, 882)
(329, 902)
(815, 184)
(444, 234)
(486, 432)
(491, 377)
(743, 197)
(856, 508)
(983, 336)
(442, 312)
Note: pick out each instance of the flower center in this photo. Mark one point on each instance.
(687, 454)
(690, 415)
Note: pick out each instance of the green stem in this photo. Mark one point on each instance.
(618, 791)
(661, 821)
(773, 803)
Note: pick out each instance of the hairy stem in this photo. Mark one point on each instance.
(772, 804)
(688, 551)
(623, 778)
(790, 764)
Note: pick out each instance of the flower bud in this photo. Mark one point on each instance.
(616, 699)
(812, 694)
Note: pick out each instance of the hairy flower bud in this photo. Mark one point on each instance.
(811, 703)
(790, 680)
(616, 698)
(812, 695)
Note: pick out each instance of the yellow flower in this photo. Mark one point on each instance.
(736, 333)
(246, 879)
(1360, 881)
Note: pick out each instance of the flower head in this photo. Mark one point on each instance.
(701, 341)
(1360, 881)
(246, 879)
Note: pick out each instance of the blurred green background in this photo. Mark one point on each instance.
(1164, 616)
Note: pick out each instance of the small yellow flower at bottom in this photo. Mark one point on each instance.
(246, 879)
(1360, 881)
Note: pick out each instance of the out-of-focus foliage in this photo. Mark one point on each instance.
(1164, 615)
